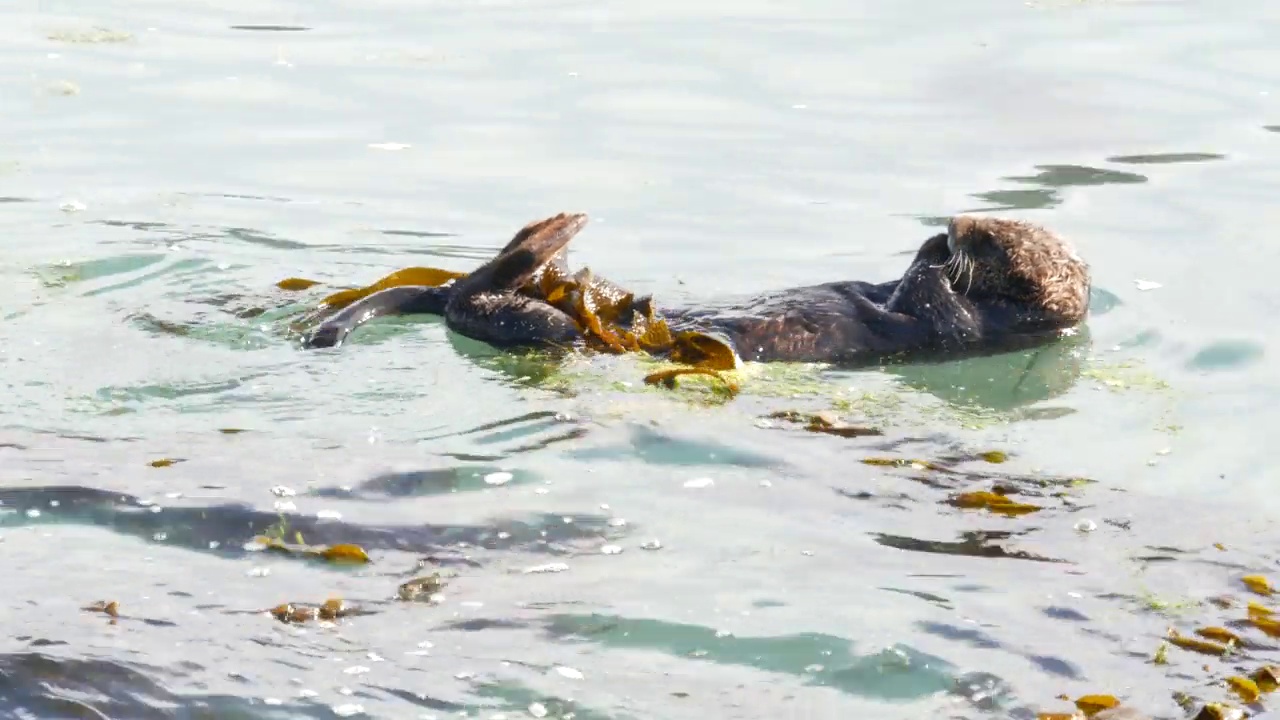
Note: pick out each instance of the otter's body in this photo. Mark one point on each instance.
(983, 286)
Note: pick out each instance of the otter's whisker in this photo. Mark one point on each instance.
(955, 269)
(969, 287)
(950, 266)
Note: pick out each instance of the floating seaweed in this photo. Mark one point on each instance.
(1267, 678)
(1266, 624)
(1219, 634)
(1091, 705)
(421, 588)
(992, 501)
(1245, 688)
(1088, 706)
(1259, 584)
(1204, 647)
(294, 284)
(1219, 711)
(1255, 609)
(107, 607)
(331, 609)
(667, 377)
(610, 319)
(341, 554)
(899, 463)
(825, 422)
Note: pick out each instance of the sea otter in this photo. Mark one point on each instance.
(986, 285)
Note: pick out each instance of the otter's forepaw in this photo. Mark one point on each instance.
(325, 336)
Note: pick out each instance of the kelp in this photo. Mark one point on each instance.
(1255, 609)
(898, 463)
(1087, 706)
(295, 284)
(424, 276)
(610, 319)
(332, 303)
(1219, 634)
(1267, 678)
(110, 608)
(1219, 711)
(953, 471)
(341, 554)
(1230, 646)
(825, 422)
(331, 609)
(420, 589)
(1204, 647)
(1266, 624)
(1259, 584)
(1091, 705)
(1243, 687)
(667, 378)
(614, 321)
(994, 502)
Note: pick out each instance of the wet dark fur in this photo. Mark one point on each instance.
(934, 309)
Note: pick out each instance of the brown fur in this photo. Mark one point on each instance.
(996, 257)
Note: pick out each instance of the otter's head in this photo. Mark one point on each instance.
(1018, 262)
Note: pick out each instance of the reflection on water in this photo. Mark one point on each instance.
(1166, 158)
(1050, 178)
(270, 28)
(223, 530)
(897, 673)
(417, 233)
(420, 483)
(977, 543)
(40, 685)
(1226, 355)
(1056, 176)
(652, 447)
(1005, 381)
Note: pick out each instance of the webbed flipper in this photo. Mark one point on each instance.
(402, 300)
(533, 247)
(486, 306)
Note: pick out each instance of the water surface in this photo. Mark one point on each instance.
(156, 159)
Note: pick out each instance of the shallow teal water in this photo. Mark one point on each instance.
(175, 157)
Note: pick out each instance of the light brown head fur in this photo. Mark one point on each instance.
(1020, 261)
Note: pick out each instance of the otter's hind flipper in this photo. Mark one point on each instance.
(485, 305)
(534, 246)
(507, 319)
(402, 300)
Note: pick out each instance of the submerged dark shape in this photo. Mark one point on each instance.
(986, 285)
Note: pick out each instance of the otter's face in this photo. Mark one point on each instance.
(1019, 262)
